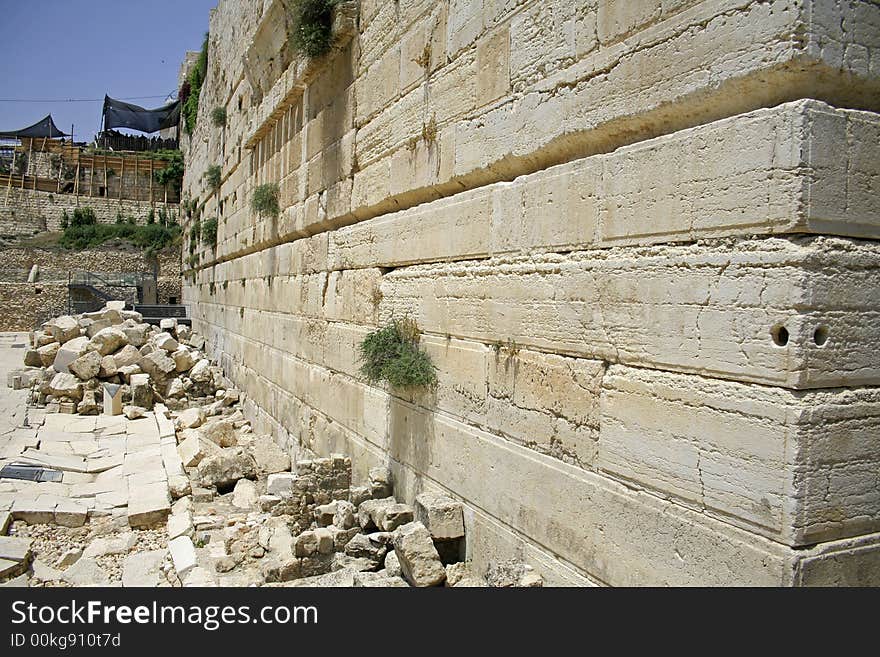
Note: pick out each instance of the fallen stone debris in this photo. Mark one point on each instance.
(169, 485)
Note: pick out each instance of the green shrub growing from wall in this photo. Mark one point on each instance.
(213, 176)
(218, 116)
(193, 88)
(311, 26)
(209, 232)
(265, 200)
(392, 354)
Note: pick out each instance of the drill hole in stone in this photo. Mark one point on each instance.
(780, 335)
(820, 335)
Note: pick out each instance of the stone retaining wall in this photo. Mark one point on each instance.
(639, 237)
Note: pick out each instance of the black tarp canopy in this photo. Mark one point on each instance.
(43, 128)
(118, 114)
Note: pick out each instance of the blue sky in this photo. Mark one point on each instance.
(57, 49)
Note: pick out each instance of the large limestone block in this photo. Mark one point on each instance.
(419, 562)
(86, 366)
(615, 534)
(786, 312)
(63, 329)
(797, 468)
(48, 354)
(158, 365)
(66, 385)
(128, 355)
(68, 353)
(108, 340)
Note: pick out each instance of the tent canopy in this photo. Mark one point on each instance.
(43, 128)
(118, 114)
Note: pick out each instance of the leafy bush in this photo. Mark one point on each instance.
(65, 219)
(83, 217)
(218, 116)
(213, 176)
(312, 22)
(265, 200)
(209, 231)
(392, 354)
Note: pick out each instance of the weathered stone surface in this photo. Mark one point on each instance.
(86, 366)
(108, 340)
(269, 456)
(280, 484)
(244, 495)
(441, 515)
(143, 569)
(190, 418)
(183, 359)
(219, 432)
(226, 468)
(66, 354)
(108, 367)
(390, 517)
(48, 353)
(66, 385)
(86, 572)
(183, 554)
(344, 515)
(134, 412)
(166, 342)
(141, 391)
(62, 329)
(419, 561)
(158, 365)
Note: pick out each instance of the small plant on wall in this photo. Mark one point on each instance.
(392, 354)
(312, 21)
(265, 200)
(218, 116)
(213, 176)
(209, 232)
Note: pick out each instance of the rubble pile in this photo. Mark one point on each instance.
(77, 360)
(230, 505)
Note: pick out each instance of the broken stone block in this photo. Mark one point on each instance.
(190, 451)
(148, 505)
(141, 391)
(268, 502)
(62, 329)
(441, 514)
(183, 359)
(14, 548)
(392, 564)
(269, 456)
(68, 353)
(86, 572)
(86, 366)
(378, 580)
(179, 524)
(34, 510)
(324, 514)
(179, 486)
(103, 546)
(108, 340)
(513, 573)
(66, 385)
(201, 372)
(280, 484)
(306, 544)
(49, 353)
(158, 365)
(168, 324)
(165, 342)
(357, 495)
(367, 511)
(281, 570)
(5, 521)
(69, 557)
(32, 358)
(344, 516)
(143, 569)
(128, 355)
(363, 546)
(219, 432)
(224, 469)
(70, 514)
(88, 405)
(390, 517)
(202, 494)
(134, 412)
(380, 482)
(93, 326)
(191, 418)
(183, 554)
(325, 540)
(244, 495)
(108, 367)
(419, 561)
(136, 335)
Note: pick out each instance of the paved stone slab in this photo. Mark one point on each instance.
(183, 554)
(148, 505)
(5, 521)
(86, 572)
(142, 569)
(15, 548)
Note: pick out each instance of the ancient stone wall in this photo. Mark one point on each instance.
(26, 211)
(639, 237)
(25, 305)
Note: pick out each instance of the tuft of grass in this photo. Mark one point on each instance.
(218, 117)
(392, 354)
(265, 200)
(312, 22)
